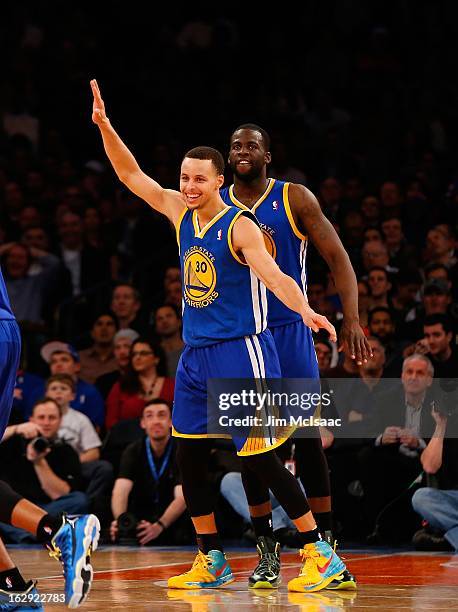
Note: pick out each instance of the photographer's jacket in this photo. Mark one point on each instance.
(19, 472)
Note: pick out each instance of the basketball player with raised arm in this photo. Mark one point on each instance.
(225, 269)
(289, 214)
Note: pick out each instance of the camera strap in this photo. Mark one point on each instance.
(152, 465)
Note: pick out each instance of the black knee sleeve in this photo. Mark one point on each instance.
(274, 476)
(193, 459)
(256, 492)
(8, 500)
(312, 467)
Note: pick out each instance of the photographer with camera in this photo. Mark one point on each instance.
(42, 468)
(147, 500)
(437, 504)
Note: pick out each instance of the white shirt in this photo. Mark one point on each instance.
(77, 430)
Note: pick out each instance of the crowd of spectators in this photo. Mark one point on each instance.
(92, 272)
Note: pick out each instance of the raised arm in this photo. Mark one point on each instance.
(166, 201)
(247, 239)
(321, 232)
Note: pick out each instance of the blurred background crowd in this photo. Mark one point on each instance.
(361, 104)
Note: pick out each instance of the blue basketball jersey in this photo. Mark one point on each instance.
(284, 241)
(222, 298)
(5, 306)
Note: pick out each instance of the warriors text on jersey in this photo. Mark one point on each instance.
(284, 241)
(222, 298)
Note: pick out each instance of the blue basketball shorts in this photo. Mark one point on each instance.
(296, 351)
(10, 352)
(251, 357)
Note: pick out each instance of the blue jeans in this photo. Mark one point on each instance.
(232, 490)
(75, 502)
(440, 509)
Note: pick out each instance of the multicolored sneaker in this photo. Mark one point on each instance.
(208, 571)
(343, 582)
(29, 599)
(72, 545)
(320, 566)
(267, 573)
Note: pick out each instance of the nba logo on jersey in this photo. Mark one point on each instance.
(275, 205)
(220, 234)
(9, 582)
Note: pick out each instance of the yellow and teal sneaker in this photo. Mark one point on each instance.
(320, 567)
(72, 545)
(208, 571)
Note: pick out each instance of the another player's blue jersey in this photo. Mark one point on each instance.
(5, 306)
(222, 298)
(284, 241)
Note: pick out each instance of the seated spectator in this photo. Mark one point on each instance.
(141, 383)
(364, 299)
(28, 293)
(400, 421)
(122, 343)
(323, 349)
(99, 359)
(28, 388)
(440, 246)
(63, 358)
(402, 254)
(404, 297)
(45, 470)
(436, 299)
(380, 286)
(126, 305)
(174, 294)
(77, 431)
(168, 328)
(376, 254)
(438, 503)
(148, 486)
(437, 345)
(381, 326)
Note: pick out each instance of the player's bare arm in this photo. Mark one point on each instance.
(309, 216)
(166, 201)
(247, 239)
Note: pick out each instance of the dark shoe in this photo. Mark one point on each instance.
(428, 540)
(267, 572)
(288, 537)
(344, 582)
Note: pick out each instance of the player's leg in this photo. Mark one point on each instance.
(297, 357)
(210, 568)
(70, 540)
(12, 584)
(321, 564)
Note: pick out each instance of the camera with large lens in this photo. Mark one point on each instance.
(40, 444)
(127, 528)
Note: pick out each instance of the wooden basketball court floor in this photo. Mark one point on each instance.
(135, 579)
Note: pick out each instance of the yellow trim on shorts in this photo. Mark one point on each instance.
(289, 213)
(229, 238)
(247, 453)
(176, 434)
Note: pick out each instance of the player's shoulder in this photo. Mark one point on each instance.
(300, 196)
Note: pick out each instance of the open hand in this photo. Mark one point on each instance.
(98, 106)
(354, 343)
(316, 321)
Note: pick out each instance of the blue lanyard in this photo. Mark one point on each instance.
(152, 465)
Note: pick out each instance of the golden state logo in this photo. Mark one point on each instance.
(269, 240)
(199, 277)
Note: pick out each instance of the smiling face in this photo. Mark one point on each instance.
(199, 182)
(247, 155)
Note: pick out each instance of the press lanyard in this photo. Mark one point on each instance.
(152, 465)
